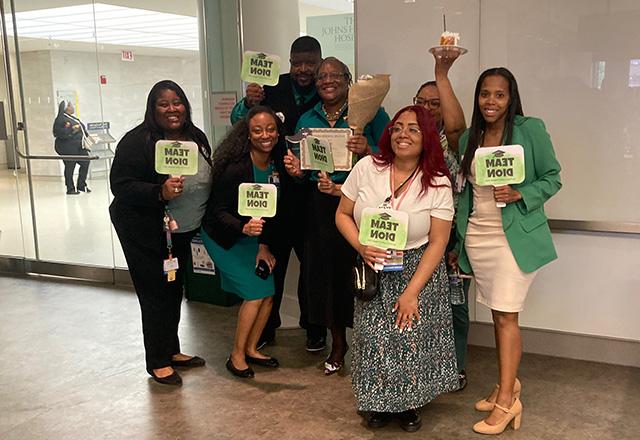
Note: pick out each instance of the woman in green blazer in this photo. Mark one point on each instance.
(504, 247)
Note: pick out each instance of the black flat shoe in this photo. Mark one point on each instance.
(194, 361)
(462, 380)
(269, 362)
(378, 419)
(173, 379)
(247, 373)
(316, 344)
(410, 420)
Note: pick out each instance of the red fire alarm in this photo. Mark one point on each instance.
(103, 79)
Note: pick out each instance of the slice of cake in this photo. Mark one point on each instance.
(449, 38)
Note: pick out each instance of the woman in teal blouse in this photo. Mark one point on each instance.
(251, 152)
(328, 258)
(504, 247)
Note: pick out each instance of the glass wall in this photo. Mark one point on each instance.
(103, 59)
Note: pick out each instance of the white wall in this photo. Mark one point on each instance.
(593, 288)
(270, 27)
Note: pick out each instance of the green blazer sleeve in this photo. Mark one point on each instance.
(542, 160)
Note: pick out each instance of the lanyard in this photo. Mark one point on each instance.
(168, 224)
(393, 190)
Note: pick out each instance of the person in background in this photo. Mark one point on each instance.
(145, 209)
(69, 132)
(294, 94)
(253, 151)
(403, 355)
(328, 258)
(504, 247)
(439, 99)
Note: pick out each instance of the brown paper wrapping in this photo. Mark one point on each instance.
(365, 98)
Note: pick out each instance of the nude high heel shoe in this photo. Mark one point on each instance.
(512, 414)
(488, 403)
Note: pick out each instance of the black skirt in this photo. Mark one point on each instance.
(327, 264)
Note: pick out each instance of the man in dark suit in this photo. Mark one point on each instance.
(294, 94)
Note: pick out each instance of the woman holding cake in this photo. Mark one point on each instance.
(440, 100)
(505, 247)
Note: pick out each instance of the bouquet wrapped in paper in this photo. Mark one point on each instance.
(365, 97)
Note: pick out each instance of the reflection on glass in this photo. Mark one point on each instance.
(598, 74)
(634, 73)
(332, 25)
(102, 59)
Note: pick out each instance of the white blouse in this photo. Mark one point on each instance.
(368, 186)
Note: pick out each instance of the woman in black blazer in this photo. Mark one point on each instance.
(252, 152)
(145, 204)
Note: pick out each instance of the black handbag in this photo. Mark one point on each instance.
(365, 280)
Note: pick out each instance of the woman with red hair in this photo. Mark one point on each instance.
(403, 348)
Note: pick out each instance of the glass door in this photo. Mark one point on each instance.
(90, 66)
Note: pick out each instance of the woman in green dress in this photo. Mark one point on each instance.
(253, 151)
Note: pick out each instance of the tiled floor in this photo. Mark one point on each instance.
(72, 368)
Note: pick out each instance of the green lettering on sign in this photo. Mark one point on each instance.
(176, 158)
(502, 165)
(384, 228)
(257, 200)
(260, 68)
(320, 154)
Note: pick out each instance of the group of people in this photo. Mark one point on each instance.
(409, 341)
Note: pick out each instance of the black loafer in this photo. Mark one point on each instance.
(194, 361)
(247, 373)
(269, 362)
(378, 419)
(410, 420)
(173, 379)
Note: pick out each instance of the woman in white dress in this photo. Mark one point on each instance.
(504, 247)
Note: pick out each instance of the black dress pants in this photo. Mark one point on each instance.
(292, 238)
(281, 252)
(160, 300)
(69, 168)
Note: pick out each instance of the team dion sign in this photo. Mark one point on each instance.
(257, 200)
(502, 165)
(383, 228)
(176, 158)
(260, 68)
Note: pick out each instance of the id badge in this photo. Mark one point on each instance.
(274, 178)
(170, 264)
(394, 262)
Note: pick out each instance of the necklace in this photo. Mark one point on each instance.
(333, 116)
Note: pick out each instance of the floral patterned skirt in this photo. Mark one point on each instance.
(393, 371)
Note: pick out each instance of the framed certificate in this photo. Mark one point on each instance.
(337, 140)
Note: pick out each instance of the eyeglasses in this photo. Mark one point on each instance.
(431, 103)
(332, 76)
(410, 129)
